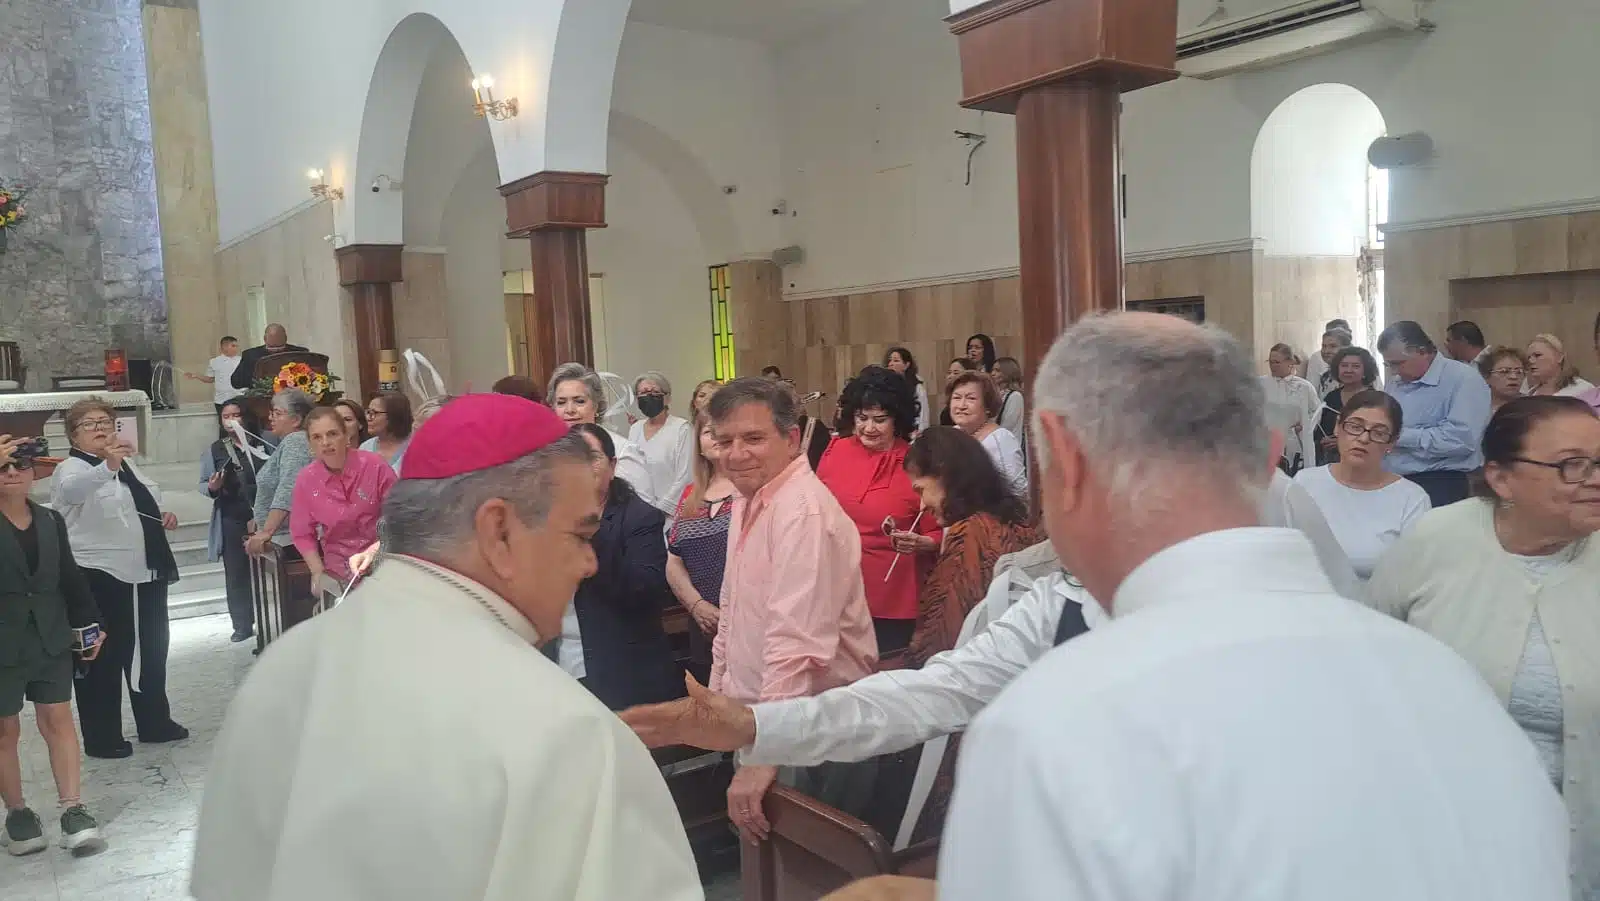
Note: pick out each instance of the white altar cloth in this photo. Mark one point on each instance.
(133, 413)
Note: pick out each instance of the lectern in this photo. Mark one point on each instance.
(1060, 67)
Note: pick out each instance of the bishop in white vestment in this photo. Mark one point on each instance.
(413, 744)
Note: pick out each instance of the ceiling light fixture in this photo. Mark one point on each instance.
(484, 104)
(320, 187)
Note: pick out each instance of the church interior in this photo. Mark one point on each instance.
(705, 188)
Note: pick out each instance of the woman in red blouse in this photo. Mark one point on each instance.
(866, 473)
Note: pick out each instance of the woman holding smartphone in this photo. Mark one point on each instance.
(118, 536)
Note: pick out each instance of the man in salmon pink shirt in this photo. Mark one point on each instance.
(794, 617)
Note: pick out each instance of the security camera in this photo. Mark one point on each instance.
(375, 186)
(381, 180)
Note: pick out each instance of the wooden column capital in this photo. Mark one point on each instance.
(361, 264)
(555, 200)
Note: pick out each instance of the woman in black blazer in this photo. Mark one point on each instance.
(627, 659)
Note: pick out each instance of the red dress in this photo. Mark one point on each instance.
(872, 486)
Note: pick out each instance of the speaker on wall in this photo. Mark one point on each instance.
(1400, 150)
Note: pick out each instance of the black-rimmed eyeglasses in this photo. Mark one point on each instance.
(18, 464)
(1573, 470)
(1355, 428)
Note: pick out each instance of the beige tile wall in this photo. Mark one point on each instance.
(185, 193)
(296, 268)
(1295, 296)
(1225, 280)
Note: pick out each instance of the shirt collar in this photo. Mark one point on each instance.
(765, 493)
(1435, 371)
(1063, 585)
(1258, 560)
(486, 598)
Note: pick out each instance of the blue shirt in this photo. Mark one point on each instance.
(1446, 412)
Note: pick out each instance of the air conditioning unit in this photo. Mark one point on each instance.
(1290, 31)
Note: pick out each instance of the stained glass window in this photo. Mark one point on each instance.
(721, 324)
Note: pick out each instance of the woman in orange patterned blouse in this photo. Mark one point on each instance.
(983, 520)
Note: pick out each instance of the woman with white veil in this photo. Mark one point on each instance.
(578, 394)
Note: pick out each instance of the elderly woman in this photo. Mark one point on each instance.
(337, 498)
(957, 368)
(576, 394)
(865, 471)
(1506, 370)
(983, 520)
(611, 637)
(974, 403)
(228, 477)
(1353, 370)
(1508, 580)
(666, 441)
(275, 481)
(1549, 370)
(118, 535)
(1367, 507)
(389, 416)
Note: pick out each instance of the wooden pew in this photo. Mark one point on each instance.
(280, 587)
(815, 849)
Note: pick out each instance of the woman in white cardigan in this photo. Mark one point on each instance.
(1509, 580)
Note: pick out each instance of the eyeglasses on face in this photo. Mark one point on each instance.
(1573, 470)
(96, 425)
(1378, 434)
(18, 464)
(371, 413)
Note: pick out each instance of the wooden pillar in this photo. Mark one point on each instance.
(1060, 66)
(368, 272)
(554, 211)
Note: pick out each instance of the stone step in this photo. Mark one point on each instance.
(203, 577)
(191, 604)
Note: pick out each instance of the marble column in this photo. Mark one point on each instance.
(1060, 67)
(554, 211)
(368, 272)
(185, 194)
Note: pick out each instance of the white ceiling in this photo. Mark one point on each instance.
(767, 21)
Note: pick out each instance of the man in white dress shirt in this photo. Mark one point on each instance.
(1233, 733)
(413, 744)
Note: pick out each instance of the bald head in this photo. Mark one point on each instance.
(275, 336)
(1146, 392)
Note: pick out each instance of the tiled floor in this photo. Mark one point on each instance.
(147, 804)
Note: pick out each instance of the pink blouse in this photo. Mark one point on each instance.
(339, 510)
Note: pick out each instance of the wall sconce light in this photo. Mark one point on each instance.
(320, 187)
(484, 104)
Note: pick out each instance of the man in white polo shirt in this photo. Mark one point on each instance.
(219, 373)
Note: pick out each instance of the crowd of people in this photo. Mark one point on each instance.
(1208, 559)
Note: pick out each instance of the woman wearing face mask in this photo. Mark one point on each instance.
(611, 638)
(974, 403)
(900, 360)
(1367, 507)
(577, 394)
(958, 367)
(228, 477)
(866, 473)
(697, 547)
(1507, 579)
(666, 441)
(337, 499)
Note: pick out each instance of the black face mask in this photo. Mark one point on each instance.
(651, 405)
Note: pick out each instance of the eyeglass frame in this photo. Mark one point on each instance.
(1560, 466)
(97, 425)
(1519, 372)
(19, 464)
(1353, 428)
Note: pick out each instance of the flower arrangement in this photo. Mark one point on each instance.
(12, 211)
(319, 385)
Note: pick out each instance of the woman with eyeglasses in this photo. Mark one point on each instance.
(1367, 507)
(1508, 580)
(1505, 369)
(389, 417)
(275, 481)
(118, 534)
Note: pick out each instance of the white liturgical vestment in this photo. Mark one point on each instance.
(1239, 732)
(414, 745)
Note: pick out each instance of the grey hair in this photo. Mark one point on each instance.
(432, 518)
(576, 372)
(653, 375)
(777, 397)
(1155, 408)
(295, 402)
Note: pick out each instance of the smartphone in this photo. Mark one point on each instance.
(85, 637)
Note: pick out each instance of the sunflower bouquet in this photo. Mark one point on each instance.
(12, 212)
(318, 385)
